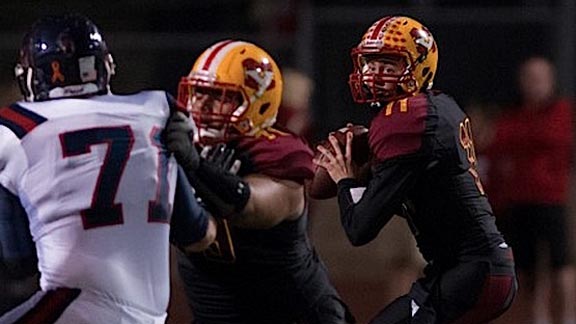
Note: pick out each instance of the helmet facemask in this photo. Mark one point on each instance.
(381, 78)
(217, 109)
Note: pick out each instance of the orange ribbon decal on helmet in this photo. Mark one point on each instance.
(56, 74)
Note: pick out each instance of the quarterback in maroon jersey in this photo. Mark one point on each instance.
(424, 170)
(262, 269)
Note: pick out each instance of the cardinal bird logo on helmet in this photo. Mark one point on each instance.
(424, 41)
(258, 76)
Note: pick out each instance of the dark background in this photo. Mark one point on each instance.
(155, 42)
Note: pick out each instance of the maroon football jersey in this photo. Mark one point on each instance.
(425, 169)
(280, 155)
(275, 271)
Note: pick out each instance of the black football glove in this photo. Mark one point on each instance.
(178, 136)
(222, 156)
(217, 184)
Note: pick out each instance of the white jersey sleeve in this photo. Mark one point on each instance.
(13, 162)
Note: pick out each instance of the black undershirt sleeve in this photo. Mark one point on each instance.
(17, 249)
(189, 221)
(382, 199)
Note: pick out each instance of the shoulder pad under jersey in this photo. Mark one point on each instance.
(279, 154)
(399, 127)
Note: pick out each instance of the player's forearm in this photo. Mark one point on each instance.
(192, 226)
(364, 213)
(19, 268)
(17, 249)
(224, 193)
(271, 202)
(205, 242)
(362, 217)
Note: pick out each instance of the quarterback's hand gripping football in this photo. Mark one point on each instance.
(338, 164)
(178, 136)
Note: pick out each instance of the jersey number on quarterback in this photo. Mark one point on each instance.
(467, 142)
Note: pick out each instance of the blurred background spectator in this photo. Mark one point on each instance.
(295, 112)
(156, 41)
(530, 157)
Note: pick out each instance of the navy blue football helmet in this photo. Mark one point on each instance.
(63, 56)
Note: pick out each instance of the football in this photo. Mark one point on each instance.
(322, 186)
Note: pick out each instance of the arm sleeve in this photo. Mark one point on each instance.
(224, 193)
(17, 249)
(189, 220)
(363, 218)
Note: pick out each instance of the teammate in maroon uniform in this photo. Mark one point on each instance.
(424, 166)
(263, 268)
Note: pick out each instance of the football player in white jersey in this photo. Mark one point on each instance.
(99, 187)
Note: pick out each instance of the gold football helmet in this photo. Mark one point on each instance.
(234, 89)
(393, 37)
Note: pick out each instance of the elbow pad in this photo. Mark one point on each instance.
(224, 193)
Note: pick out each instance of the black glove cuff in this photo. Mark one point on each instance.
(190, 160)
(225, 194)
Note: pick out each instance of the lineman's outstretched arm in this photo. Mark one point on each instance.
(192, 229)
(271, 201)
(17, 249)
